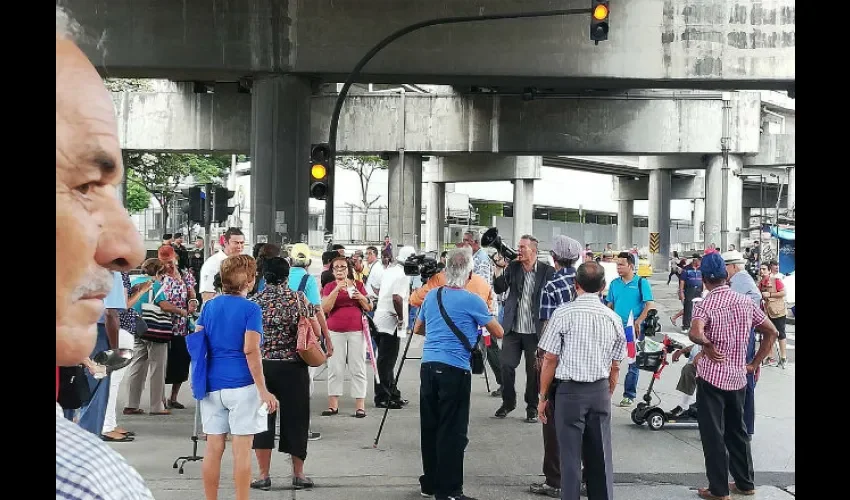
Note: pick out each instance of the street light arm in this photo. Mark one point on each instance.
(390, 39)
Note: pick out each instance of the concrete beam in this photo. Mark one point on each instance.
(474, 168)
(672, 162)
(682, 188)
(729, 44)
(774, 149)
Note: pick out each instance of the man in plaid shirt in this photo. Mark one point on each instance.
(559, 290)
(721, 324)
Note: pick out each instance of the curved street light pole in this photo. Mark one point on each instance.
(329, 208)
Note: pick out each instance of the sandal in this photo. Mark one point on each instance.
(706, 494)
(133, 411)
(734, 489)
(330, 412)
(360, 414)
(110, 439)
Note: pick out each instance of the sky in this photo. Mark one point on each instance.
(590, 190)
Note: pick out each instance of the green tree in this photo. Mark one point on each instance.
(160, 174)
(138, 198)
(364, 167)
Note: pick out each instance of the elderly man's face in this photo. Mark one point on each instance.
(93, 231)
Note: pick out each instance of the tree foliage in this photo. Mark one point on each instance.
(365, 167)
(138, 198)
(161, 174)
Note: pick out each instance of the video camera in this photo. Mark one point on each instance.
(492, 239)
(423, 266)
(651, 325)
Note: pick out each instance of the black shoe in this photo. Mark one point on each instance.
(262, 484)
(424, 491)
(545, 489)
(675, 412)
(503, 411)
(497, 393)
(314, 436)
(401, 402)
(531, 416)
(300, 484)
(461, 497)
(393, 405)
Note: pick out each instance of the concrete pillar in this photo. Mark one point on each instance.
(405, 199)
(698, 218)
(280, 146)
(660, 188)
(436, 217)
(792, 189)
(714, 201)
(523, 208)
(625, 224)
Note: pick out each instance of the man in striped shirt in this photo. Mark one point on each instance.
(721, 324)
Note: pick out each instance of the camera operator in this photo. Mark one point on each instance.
(391, 322)
(445, 375)
(476, 285)
(525, 278)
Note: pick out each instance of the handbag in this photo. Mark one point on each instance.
(74, 391)
(307, 346)
(476, 357)
(159, 326)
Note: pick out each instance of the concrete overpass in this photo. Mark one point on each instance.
(711, 44)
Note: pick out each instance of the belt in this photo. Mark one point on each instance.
(561, 381)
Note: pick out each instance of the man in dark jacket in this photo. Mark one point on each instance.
(525, 278)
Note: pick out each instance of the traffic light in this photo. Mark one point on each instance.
(194, 209)
(320, 156)
(598, 20)
(220, 210)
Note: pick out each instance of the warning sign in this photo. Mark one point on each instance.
(654, 242)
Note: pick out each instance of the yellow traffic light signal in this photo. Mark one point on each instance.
(600, 12)
(319, 157)
(599, 20)
(318, 171)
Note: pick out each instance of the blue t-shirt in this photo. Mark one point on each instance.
(115, 299)
(225, 319)
(626, 297)
(152, 295)
(468, 312)
(692, 277)
(296, 274)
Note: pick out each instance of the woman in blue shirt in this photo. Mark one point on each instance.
(227, 374)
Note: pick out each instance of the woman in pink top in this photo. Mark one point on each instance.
(344, 302)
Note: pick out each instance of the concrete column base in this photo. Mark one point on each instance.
(405, 200)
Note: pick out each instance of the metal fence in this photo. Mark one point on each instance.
(150, 224)
(352, 225)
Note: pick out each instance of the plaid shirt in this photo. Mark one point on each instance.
(560, 290)
(728, 317)
(88, 469)
(586, 336)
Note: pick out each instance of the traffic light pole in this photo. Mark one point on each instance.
(208, 201)
(329, 203)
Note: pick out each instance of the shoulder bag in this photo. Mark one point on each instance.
(476, 357)
(159, 324)
(307, 346)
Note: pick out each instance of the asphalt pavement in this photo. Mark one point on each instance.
(503, 456)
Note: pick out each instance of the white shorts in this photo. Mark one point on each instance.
(233, 411)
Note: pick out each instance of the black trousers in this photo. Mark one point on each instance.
(444, 421)
(515, 345)
(388, 347)
(691, 292)
(722, 430)
(583, 421)
(494, 359)
(289, 381)
(551, 451)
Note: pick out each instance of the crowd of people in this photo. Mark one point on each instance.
(245, 329)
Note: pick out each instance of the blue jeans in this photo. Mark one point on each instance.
(630, 384)
(93, 413)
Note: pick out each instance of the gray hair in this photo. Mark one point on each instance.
(474, 234)
(530, 238)
(458, 266)
(69, 29)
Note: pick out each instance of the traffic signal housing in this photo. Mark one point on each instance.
(221, 211)
(599, 20)
(320, 155)
(194, 209)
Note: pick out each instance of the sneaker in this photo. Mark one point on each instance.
(314, 436)
(626, 402)
(782, 362)
(545, 489)
(675, 412)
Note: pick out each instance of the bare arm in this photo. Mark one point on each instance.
(547, 372)
(171, 308)
(419, 327)
(770, 333)
(613, 376)
(329, 300)
(255, 362)
(207, 295)
(495, 328)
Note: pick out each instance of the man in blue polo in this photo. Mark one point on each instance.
(630, 294)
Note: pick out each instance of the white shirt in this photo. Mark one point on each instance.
(373, 283)
(210, 268)
(394, 282)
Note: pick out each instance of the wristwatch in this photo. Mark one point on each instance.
(542, 397)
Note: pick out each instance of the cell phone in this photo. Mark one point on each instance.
(352, 290)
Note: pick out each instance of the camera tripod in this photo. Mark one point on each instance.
(392, 389)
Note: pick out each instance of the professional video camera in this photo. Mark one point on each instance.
(491, 239)
(423, 266)
(651, 325)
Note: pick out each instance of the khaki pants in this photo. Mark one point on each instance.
(155, 355)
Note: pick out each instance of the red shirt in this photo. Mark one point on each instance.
(728, 317)
(346, 315)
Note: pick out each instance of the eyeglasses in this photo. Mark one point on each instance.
(340, 268)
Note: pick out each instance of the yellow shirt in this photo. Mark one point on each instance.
(476, 285)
